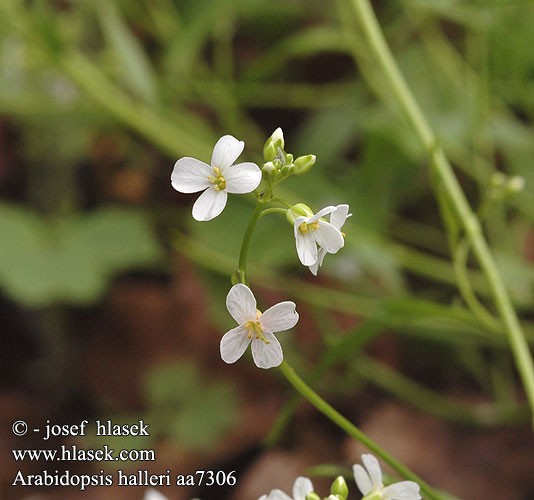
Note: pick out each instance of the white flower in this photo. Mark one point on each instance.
(312, 231)
(152, 494)
(256, 327)
(222, 177)
(301, 488)
(369, 481)
(337, 219)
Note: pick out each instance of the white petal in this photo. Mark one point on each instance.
(306, 249)
(267, 355)
(279, 317)
(226, 151)
(301, 488)
(328, 237)
(209, 204)
(363, 481)
(278, 495)
(319, 262)
(321, 213)
(242, 178)
(263, 497)
(190, 175)
(373, 468)
(241, 304)
(339, 216)
(152, 494)
(405, 490)
(234, 343)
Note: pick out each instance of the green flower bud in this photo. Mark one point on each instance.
(273, 144)
(304, 163)
(339, 488)
(287, 170)
(515, 184)
(298, 210)
(497, 179)
(269, 172)
(312, 496)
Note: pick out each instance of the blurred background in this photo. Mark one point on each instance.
(112, 296)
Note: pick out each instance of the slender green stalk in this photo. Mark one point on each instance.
(245, 245)
(393, 78)
(274, 210)
(353, 431)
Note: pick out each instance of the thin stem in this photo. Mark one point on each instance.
(394, 80)
(460, 268)
(353, 431)
(274, 210)
(245, 245)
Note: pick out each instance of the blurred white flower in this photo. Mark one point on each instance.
(311, 231)
(216, 181)
(337, 219)
(152, 494)
(369, 481)
(256, 327)
(301, 488)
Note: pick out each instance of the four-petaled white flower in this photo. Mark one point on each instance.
(222, 177)
(256, 327)
(337, 219)
(312, 231)
(369, 481)
(301, 488)
(152, 494)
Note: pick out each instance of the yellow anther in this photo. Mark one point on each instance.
(218, 180)
(217, 171)
(343, 234)
(306, 227)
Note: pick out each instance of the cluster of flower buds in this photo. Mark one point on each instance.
(279, 164)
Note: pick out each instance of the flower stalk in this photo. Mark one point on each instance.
(393, 79)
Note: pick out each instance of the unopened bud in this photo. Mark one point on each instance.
(269, 172)
(273, 145)
(304, 163)
(312, 496)
(515, 184)
(497, 179)
(287, 170)
(298, 210)
(339, 488)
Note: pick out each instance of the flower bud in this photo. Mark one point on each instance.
(298, 210)
(339, 488)
(515, 184)
(312, 496)
(497, 179)
(273, 144)
(269, 172)
(304, 163)
(287, 170)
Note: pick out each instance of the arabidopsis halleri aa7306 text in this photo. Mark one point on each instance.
(337, 219)
(301, 488)
(369, 481)
(256, 328)
(215, 180)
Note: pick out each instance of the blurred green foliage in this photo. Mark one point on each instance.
(177, 74)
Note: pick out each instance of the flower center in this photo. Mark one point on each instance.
(218, 180)
(255, 329)
(306, 227)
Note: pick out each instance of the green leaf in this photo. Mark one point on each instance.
(69, 259)
(172, 393)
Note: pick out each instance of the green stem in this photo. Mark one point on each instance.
(245, 245)
(353, 431)
(460, 268)
(274, 210)
(394, 80)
